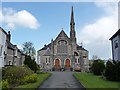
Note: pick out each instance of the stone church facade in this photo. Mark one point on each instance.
(64, 53)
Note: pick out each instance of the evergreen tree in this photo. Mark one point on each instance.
(31, 63)
(112, 70)
(98, 67)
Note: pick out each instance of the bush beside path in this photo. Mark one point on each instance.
(21, 77)
(32, 86)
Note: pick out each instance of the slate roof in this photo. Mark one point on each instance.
(117, 33)
(10, 45)
(49, 45)
(80, 48)
(62, 34)
(45, 47)
(3, 30)
(48, 53)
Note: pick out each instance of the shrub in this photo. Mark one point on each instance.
(31, 63)
(15, 74)
(98, 67)
(39, 72)
(31, 79)
(5, 84)
(112, 70)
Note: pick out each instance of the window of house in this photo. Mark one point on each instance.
(15, 52)
(39, 59)
(78, 60)
(116, 43)
(15, 63)
(75, 60)
(75, 53)
(0, 50)
(49, 60)
(84, 62)
(84, 56)
(9, 62)
(46, 60)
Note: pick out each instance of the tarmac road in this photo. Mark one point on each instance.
(62, 80)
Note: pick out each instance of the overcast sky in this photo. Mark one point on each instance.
(95, 23)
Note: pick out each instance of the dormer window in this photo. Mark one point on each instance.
(116, 43)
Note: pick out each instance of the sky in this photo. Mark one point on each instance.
(39, 22)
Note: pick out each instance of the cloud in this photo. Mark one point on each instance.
(95, 36)
(22, 18)
(20, 47)
(119, 15)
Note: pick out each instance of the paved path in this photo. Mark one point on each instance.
(62, 80)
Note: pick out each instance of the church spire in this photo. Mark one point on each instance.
(72, 17)
(72, 27)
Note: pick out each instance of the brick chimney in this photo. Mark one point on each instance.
(8, 36)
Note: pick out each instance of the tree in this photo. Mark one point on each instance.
(112, 70)
(29, 49)
(31, 63)
(98, 67)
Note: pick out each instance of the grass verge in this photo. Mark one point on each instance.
(88, 80)
(33, 86)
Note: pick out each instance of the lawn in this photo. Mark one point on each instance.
(33, 86)
(88, 80)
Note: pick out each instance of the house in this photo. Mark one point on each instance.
(3, 47)
(11, 54)
(115, 40)
(64, 53)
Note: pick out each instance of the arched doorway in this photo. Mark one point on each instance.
(67, 64)
(57, 65)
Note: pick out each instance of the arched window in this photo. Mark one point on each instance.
(62, 42)
(75, 53)
(62, 46)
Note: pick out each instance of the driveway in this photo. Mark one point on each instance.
(62, 80)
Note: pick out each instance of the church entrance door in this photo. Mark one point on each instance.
(57, 65)
(67, 64)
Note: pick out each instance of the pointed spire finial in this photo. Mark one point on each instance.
(72, 16)
(62, 28)
(72, 8)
